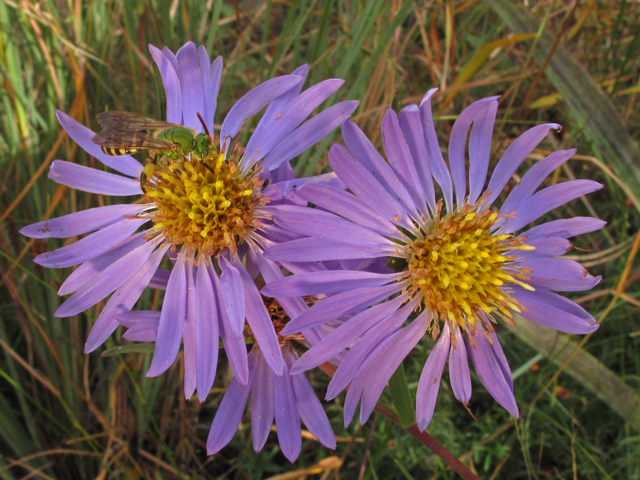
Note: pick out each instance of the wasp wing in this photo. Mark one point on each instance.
(126, 130)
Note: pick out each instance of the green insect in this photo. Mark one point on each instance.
(125, 132)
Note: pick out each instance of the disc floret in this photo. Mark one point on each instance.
(460, 267)
(203, 204)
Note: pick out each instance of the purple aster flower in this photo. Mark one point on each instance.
(458, 265)
(207, 214)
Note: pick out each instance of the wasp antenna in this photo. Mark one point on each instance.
(204, 125)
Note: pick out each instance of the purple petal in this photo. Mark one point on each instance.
(489, 363)
(554, 268)
(458, 143)
(171, 84)
(565, 228)
(82, 136)
(233, 295)
(309, 407)
(191, 85)
(287, 417)
(122, 300)
(366, 344)
(384, 361)
(90, 246)
(338, 305)
(273, 129)
(106, 282)
(436, 161)
(551, 246)
(346, 334)
(160, 280)
(577, 285)
(92, 180)
(312, 249)
(533, 178)
(206, 333)
(253, 102)
(546, 200)
(480, 149)
(293, 306)
(316, 223)
(554, 311)
(429, 383)
(412, 129)
(172, 316)
(91, 268)
(459, 368)
(189, 335)
(349, 207)
(209, 96)
(216, 75)
(315, 283)
(262, 402)
(225, 423)
(309, 133)
(399, 157)
(367, 187)
(129, 319)
(234, 345)
(514, 156)
(145, 331)
(389, 189)
(260, 322)
(80, 222)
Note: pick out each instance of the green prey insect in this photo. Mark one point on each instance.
(125, 132)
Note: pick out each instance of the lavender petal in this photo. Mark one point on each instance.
(480, 149)
(92, 180)
(459, 368)
(260, 322)
(554, 311)
(225, 423)
(429, 383)
(262, 401)
(287, 417)
(82, 136)
(172, 318)
(338, 305)
(316, 249)
(513, 156)
(145, 331)
(122, 300)
(90, 246)
(315, 283)
(546, 200)
(189, 334)
(171, 84)
(106, 282)
(191, 85)
(389, 190)
(436, 161)
(253, 102)
(233, 295)
(309, 407)
(489, 362)
(400, 158)
(565, 228)
(91, 268)
(309, 133)
(81, 222)
(209, 91)
(412, 129)
(206, 333)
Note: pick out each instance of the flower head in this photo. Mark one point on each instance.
(458, 263)
(206, 212)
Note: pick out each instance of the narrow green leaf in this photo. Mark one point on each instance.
(584, 367)
(135, 348)
(402, 399)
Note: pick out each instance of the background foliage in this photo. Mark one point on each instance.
(64, 414)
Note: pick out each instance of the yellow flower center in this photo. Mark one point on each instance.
(459, 266)
(202, 204)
